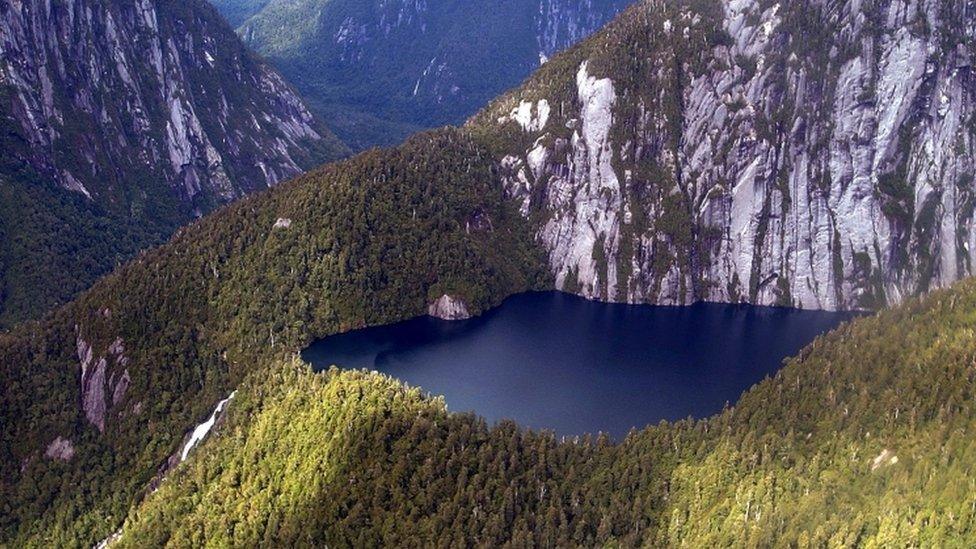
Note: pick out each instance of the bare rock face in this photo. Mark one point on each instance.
(817, 154)
(111, 99)
(60, 448)
(96, 382)
(448, 308)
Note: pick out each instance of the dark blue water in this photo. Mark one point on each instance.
(554, 361)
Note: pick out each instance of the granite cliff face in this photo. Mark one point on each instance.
(120, 100)
(121, 121)
(817, 154)
(380, 69)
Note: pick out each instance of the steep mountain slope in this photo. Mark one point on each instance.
(378, 70)
(54, 243)
(238, 11)
(119, 375)
(866, 439)
(818, 154)
(153, 111)
(98, 398)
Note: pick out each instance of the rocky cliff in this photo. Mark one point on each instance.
(379, 69)
(121, 121)
(818, 154)
(118, 100)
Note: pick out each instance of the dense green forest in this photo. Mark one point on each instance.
(56, 243)
(865, 439)
(370, 241)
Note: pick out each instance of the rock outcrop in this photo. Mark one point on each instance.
(121, 122)
(124, 101)
(96, 382)
(61, 449)
(816, 154)
(448, 307)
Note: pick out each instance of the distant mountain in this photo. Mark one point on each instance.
(817, 153)
(238, 11)
(381, 69)
(119, 121)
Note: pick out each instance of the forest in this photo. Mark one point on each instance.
(371, 240)
(863, 439)
(866, 438)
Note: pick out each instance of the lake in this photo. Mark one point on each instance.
(554, 361)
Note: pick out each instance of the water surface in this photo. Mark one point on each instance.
(555, 361)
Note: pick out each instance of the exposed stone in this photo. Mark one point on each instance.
(282, 223)
(884, 459)
(448, 308)
(60, 448)
(120, 387)
(434, 83)
(98, 378)
(834, 177)
(145, 104)
(93, 392)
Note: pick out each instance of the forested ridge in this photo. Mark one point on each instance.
(863, 440)
(866, 438)
(367, 241)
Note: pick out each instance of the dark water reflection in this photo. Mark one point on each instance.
(554, 361)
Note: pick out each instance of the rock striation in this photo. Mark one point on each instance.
(123, 102)
(816, 154)
(104, 379)
(449, 307)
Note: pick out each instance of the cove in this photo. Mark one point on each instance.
(555, 361)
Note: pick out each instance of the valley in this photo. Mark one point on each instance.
(120, 123)
(380, 70)
(816, 157)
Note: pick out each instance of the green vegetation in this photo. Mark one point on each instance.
(368, 238)
(864, 439)
(238, 11)
(56, 244)
(379, 71)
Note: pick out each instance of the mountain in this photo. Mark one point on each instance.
(812, 154)
(379, 70)
(238, 11)
(97, 395)
(865, 438)
(153, 112)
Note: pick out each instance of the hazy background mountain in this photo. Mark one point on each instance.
(379, 70)
(118, 123)
(690, 150)
(238, 11)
